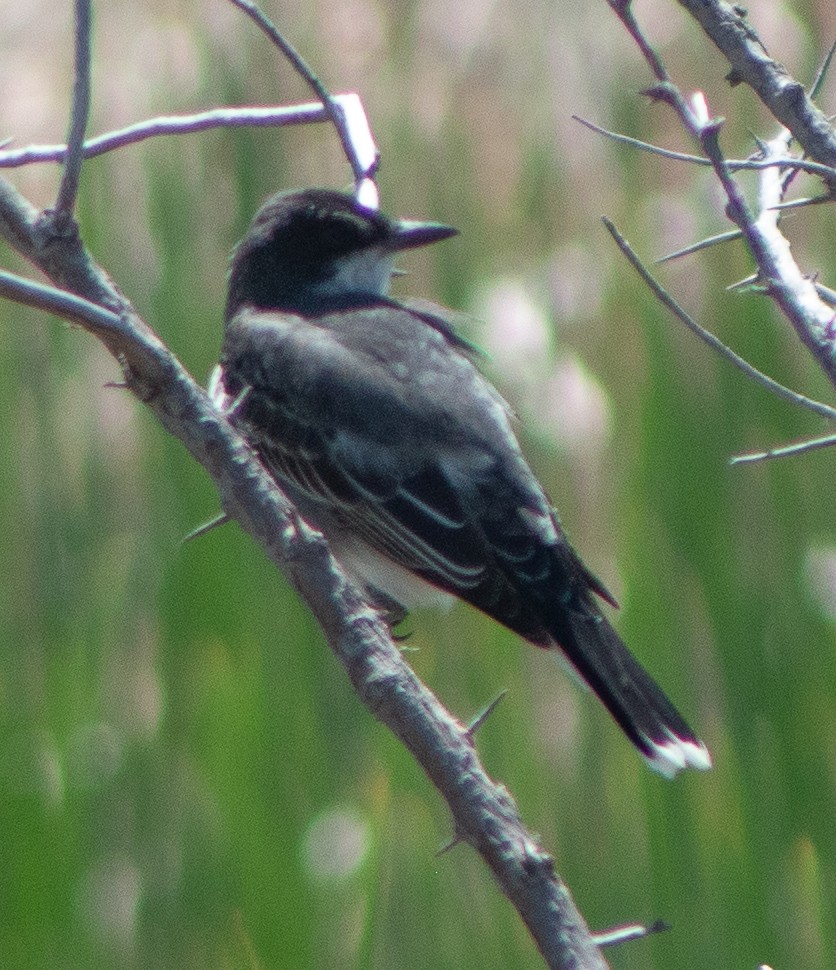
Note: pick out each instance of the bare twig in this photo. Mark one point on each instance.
(298, 62)
(823, 410)
(100, 322)
(641, 145)
(784, 97)
(274, 117)
(785, 451)
(79, 113)
(362, 166)
(782, 279)
(734, 164)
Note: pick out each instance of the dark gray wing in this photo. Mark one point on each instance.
(379, 417)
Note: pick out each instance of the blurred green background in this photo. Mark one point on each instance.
(186, 778)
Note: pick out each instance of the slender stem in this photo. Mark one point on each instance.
(823, 410)
(734, 164)
(792, 290)
(785, 451)
(171, 125)
(334, 110)
(68, 190)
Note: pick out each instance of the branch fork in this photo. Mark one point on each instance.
(798, 295)
(484, 813)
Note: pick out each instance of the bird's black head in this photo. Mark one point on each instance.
(317, 249)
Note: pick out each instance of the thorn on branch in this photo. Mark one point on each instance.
(747, 283)
(821, 74)
(456, 840)
(221, 519)
(826, 293)
(628, 932)
(484, 714)
(763, 147)
(702, 244)
(662, 91)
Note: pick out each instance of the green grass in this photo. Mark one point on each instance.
(187, 779)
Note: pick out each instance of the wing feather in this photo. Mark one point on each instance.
(427, 472)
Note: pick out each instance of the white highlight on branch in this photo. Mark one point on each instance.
(699, 106)
(365, 150)
(628, 932)
(818, 318)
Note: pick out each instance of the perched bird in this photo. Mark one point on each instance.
(371, 415)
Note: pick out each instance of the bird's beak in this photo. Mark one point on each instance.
(408, 235)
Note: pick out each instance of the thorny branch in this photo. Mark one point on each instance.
(484, 813)
(779, 276)
(822, 410)
(785, 98)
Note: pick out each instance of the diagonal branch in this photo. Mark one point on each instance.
(363, 165)
(793, 292)
(484, 813)
(751, 64)
(793, 397)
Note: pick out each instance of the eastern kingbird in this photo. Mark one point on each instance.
(371, 415)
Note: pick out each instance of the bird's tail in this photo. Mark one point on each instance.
(629, 693)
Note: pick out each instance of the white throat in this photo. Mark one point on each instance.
(368, 271)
